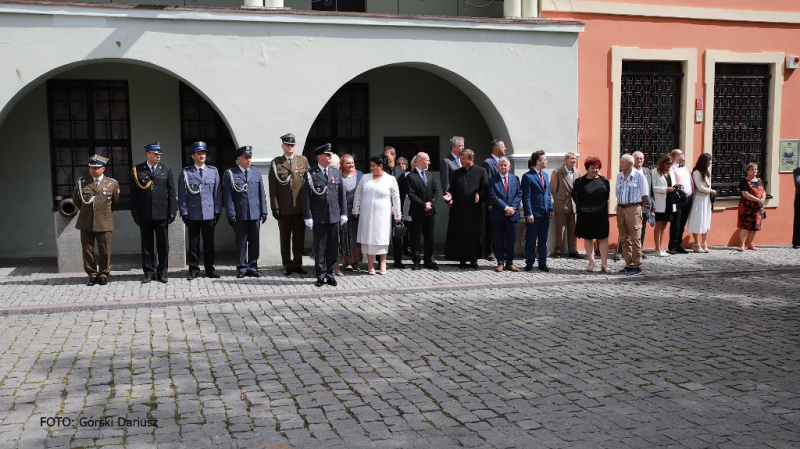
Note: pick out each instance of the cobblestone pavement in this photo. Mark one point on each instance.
(703, 351)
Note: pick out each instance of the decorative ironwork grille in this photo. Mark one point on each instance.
(741, 98)
(650, 108)
(344, 122)
(88, 117)
(200, 121)
(339, 5)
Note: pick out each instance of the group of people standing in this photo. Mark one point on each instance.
(394, 205)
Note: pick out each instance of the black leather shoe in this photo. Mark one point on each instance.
(332, 282)
(474, 265)
(162, 279)
(253, 274)
(415, 267)
(431, 266)
(212, 275)
(102, 280)
(528, 267)
(462, 265)
(680, 250)
(194, 275)
(91, 282)
(671, 251)
(299, 270)
(544, 268)
(147, 279)
(240, 275)
(399, 264)
(319, 283)
(288, 271)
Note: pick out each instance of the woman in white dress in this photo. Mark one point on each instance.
(700, 216)
(377, 199)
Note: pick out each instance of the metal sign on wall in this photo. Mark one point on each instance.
(789, 155)
(409, 146)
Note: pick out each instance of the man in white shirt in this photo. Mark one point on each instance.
(647, 207)
(677, 223)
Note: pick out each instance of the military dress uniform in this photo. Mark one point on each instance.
(324, 208)
(285, 182)
(96, 199)
(153, 206)
(246, 208)
(200, 205)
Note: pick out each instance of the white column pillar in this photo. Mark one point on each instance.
(530, 8)
(254, 3)
(273, 3)
(512, 8)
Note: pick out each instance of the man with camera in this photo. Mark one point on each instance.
(677, 223)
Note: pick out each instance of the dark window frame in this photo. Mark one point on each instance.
(80, 144)
(221, 151)
(339, 5)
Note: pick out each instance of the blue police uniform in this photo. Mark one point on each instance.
(246, 207)
(324, 202)
(200, 205)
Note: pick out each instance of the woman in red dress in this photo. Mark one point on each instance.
(751, 207)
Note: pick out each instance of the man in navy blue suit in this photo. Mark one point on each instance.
(538, 210)
(505, 196)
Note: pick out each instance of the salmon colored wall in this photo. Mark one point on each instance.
(749, 5)
(594, 92)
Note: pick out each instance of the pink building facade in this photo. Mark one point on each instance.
(656, 75)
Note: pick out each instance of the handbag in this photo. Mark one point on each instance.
(712, 197)
(399, 231)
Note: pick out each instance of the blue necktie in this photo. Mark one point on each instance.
(424, 178)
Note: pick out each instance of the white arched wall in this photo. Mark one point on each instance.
(271, 73)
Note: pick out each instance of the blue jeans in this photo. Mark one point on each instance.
(536, 237)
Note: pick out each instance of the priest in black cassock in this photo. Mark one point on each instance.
(468, 192)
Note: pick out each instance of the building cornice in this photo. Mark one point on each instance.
(285, 16)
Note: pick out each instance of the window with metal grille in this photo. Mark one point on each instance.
(344, 122)
(650, 108)
(200, 121)
(741, 99)
(339, 5)
(88, 117)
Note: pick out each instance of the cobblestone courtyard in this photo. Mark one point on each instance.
(702, 351)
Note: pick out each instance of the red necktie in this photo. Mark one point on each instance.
(541, 178)
(505, 182)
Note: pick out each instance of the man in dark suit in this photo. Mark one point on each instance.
(393, 169)
(422, 194)
(245, 198)
(96, 196)
(490, 165)
(448, 165)
(324, 209)
(506, 196)
(154, 207)
(285, 180)
(538, 210)
(200, 205)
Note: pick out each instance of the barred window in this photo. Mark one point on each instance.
(344, 122)
(88, 117)
(200, 121)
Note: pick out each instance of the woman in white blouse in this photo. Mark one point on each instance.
(377, 199)
(664, 183)
(700, 216)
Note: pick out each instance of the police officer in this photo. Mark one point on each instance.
(324, 208)
(285, 180)
(96, 196)
(246, 208)
(154, 207)
(200, 205)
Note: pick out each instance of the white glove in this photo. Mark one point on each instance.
(309, 223)
(344, 219)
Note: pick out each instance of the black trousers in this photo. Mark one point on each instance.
(796, 227)
(195, 228)
(154, 239)
(677, 224)
(326, 247)
(246, 234)
(488, 233)
(422, 227)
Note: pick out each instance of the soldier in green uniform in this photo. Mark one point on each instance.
(285, 180)
(96, 196)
